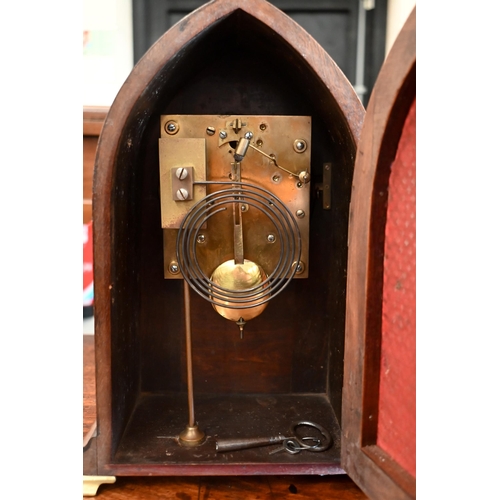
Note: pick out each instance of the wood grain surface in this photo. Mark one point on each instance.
(232, 488)
(93, 121)
(89, 405)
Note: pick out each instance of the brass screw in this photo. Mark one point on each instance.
(298, 266)
(300, 214)
(210, 130)
(171, 127)
(299, 145)
(271, 238)
(201, 238)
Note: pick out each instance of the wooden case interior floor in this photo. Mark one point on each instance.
(338, 486)
(151, 435)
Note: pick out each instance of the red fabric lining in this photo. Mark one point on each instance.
(397, 406)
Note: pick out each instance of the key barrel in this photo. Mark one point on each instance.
(223, 445)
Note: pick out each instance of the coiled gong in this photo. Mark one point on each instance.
(238, 288)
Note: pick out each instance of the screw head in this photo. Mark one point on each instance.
(259, 142)
(271, 238)
(210, 130)
(244, 207)
(299, 145)
(298, 267)
(181, 173)
(173, 267)
(171, 127)
(299, 184)
(263, 126)
(222, 134)
(276, 178)
(248, 135)
(182, 194)
(300, 214)
(200, 238)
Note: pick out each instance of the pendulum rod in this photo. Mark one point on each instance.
(237, 220)
(191, 435)
(189, 359)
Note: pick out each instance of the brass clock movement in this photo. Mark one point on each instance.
(235, 197)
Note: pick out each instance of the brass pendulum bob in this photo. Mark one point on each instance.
(239, 275)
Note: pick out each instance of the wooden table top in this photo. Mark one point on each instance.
(338, 487)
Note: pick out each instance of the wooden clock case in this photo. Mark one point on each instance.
(228, 57)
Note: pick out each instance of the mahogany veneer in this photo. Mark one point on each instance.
(93, 121)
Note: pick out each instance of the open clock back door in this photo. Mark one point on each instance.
(378, 416)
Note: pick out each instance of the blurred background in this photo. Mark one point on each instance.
(116, 33)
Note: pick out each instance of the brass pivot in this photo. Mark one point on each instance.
(191, 436)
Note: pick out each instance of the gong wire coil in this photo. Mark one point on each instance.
(283, 222)
(288, 236)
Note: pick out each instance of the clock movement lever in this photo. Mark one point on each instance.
(242, 148)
